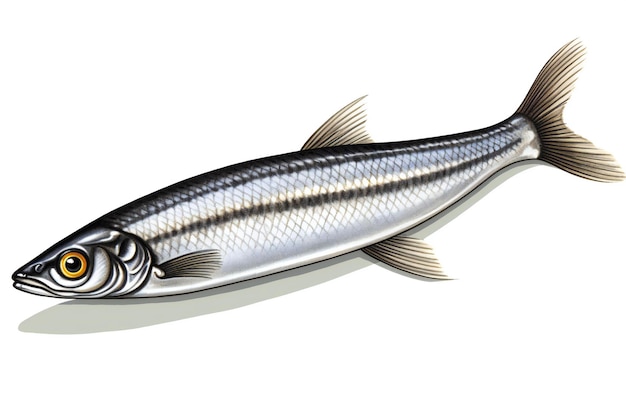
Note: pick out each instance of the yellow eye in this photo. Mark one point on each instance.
(73, 265)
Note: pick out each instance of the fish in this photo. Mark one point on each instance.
(342, 192)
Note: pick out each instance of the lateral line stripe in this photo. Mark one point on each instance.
(322, 198)
(319, 158)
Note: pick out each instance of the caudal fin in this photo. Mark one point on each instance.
(544, 105)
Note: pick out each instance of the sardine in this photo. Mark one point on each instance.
(340, 193)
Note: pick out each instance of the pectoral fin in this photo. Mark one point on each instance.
(201, 264)
(409, 255)
(346, 127)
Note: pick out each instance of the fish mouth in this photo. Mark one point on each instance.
(29, 284)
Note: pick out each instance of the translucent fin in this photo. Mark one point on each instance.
(346, 127)
(409, 255)
(202, 264)
(544, 105)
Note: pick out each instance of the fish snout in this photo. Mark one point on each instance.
(30, 278)
(28, 271)
(29, 275)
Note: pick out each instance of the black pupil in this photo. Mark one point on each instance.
(73, 264)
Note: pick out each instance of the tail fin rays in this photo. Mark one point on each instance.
(544, 104)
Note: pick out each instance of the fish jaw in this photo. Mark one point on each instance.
(23, 282)
(27, 279)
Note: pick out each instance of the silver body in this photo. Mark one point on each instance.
(286, 211)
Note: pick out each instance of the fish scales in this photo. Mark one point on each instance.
(286, 211)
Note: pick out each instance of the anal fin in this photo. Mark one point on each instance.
(201, 264)
(408, 254)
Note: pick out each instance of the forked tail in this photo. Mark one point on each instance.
(544, 105)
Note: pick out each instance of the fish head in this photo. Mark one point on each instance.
(92, 263)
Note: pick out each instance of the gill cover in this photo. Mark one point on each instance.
(95, 263)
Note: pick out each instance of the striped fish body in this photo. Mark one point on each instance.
(285, 211)
(339, 194)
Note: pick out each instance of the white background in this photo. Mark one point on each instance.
(101, 103)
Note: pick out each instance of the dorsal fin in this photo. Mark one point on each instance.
(346, 127)
(408, 254)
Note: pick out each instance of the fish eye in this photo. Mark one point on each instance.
(73, 264)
